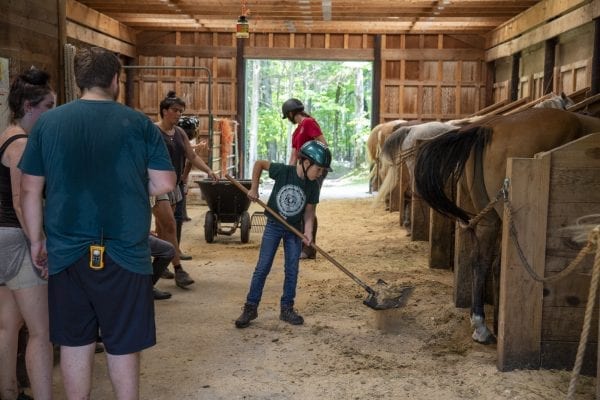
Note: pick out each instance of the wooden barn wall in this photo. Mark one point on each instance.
(427, 77)
(431, 77)
(213, 51)
(30, 35)
(575, 192)
(572, 70)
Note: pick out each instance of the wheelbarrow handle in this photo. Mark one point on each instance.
(301, 235)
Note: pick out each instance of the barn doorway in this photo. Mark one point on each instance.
(338, 94)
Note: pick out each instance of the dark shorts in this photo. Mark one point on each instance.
(113, 302)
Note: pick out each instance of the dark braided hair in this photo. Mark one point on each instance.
(169, 101)
(32, 86)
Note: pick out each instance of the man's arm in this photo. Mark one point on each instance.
(160, 181)
(32, 189)
(198, 162)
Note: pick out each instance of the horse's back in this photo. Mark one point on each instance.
(532, 131)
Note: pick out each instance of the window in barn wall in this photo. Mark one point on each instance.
(336, 94)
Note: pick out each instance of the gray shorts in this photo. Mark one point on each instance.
(16, 261)
(173, 197)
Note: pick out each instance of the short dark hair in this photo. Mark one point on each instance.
(168, 101)
(31, 85)
(95, 67)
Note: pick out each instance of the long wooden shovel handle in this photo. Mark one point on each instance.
(301, 235)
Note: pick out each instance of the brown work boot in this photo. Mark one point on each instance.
(289, 315)
(250, 312)
(182, 278)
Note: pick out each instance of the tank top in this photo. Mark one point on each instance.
(176, 148)
(8, 217)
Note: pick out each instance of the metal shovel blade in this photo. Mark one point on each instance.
(385, 297)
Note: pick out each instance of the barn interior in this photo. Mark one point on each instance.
(435, 60)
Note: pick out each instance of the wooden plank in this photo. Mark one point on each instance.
(561, 355)
(86, 35)
(570, 292)
(575, 185)
(583, 104)
(170, 50)
(581, 153)
(520, 306)
(434, 54)
(579, 17)
(490, 108)
(463, 275)
(310, 54)
(509, 106)
(441, 241)
(90, 18)
(535, 16)
(401, 192)
(529, 104)
(565, 323)
(419, 212)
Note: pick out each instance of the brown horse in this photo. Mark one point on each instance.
(478, 154)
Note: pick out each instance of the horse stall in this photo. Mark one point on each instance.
(540, 322)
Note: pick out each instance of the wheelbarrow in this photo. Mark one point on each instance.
(227, 209)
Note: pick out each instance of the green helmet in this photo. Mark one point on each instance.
(291, 105)
(317, 152)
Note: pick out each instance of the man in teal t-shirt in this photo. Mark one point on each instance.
(96, 161)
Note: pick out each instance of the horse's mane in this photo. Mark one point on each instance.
(444, 158)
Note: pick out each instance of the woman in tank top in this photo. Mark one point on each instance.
(23, 288)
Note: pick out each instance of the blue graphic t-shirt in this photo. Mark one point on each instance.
(291, 194)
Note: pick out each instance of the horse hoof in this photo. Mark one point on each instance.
(484, 338)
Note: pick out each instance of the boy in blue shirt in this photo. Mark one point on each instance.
(294, 196)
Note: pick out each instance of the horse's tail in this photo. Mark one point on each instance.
(390, 163)
(443, 158)
(389, 183)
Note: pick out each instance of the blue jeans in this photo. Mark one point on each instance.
(292, 244)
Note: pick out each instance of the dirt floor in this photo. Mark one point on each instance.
(339, 353)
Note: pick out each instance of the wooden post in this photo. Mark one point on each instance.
(514, 78)
(595, 86)
(401, 191)
(441, 241)
(549, 60)
(419, 218)
(376, 84)
(520, 308)
(240, 75)
(463, 275)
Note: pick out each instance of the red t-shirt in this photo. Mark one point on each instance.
(308, 129)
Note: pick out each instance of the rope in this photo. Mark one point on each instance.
(594, 238)
(589, 247)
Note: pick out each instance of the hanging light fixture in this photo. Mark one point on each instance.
(242, 27)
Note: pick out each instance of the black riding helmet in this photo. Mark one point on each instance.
(291, 105)
(317, 153)
(189, 125)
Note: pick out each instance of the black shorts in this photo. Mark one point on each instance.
(113, 302)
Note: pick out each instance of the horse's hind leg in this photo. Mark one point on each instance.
(482, 256)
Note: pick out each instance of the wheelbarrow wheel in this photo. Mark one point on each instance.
(245, 227)
(210, 221)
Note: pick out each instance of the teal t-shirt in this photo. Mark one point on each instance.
(291, 194)
(95, 156)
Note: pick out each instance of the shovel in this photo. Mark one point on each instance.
(377, 300)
